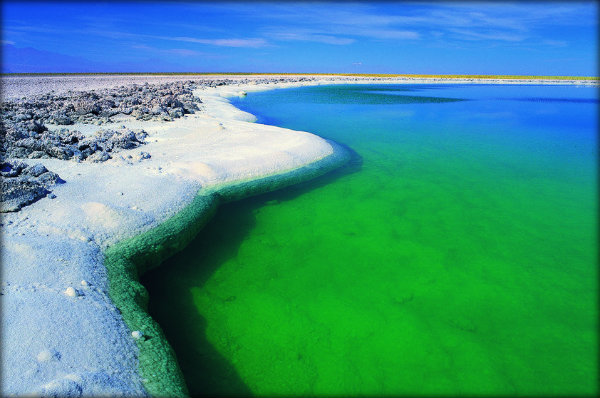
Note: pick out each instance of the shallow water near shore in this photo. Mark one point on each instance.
(456, 255)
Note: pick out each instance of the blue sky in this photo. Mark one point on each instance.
(540, 38)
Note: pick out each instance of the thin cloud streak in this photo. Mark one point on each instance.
(448, 36)
(310, 36)
(344, 24)
(115, 34)
(498, 22)
(184, 52)
(555, 43)
(249, 42)
(384, 34)
(490, 35)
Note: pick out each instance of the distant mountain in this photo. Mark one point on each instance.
(31, 60)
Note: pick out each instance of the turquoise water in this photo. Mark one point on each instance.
(456, 254)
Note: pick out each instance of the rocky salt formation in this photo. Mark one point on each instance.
(67, 144)
(15, 87)
(22, 184)
(24, 131)
(144, 102)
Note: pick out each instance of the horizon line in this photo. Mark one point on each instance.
(457, 76)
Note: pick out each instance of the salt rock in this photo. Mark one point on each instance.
(136, 334)
(70, 292)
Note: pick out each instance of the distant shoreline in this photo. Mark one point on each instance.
(391, 75)
(22, 85)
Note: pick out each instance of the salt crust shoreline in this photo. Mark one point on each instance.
(67, 331)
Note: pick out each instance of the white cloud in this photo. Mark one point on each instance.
(390, 34)
(184, 52)
(466, 34)
(222, 42)
(502, 22)
(181, 52)
(555, 43)
(314, 37)
(251, 42)
(343, 23)
(254, 43)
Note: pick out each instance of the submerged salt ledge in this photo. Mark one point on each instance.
(61, 336)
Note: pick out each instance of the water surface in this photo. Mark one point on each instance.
(456, 255)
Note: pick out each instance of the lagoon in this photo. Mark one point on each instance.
(456, 253)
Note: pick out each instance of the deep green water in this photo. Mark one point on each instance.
(456, 255)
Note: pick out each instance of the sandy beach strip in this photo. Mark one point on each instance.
(74, 319)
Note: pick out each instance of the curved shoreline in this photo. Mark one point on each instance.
(64, 328)
(128, 260)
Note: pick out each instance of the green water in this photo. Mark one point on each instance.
(456, 255)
